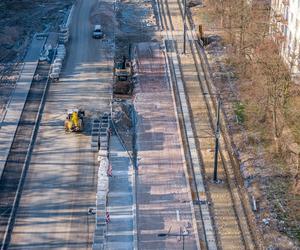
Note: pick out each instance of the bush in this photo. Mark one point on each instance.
(239, 110)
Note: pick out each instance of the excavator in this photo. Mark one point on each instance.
(122, 77)
(74, 120)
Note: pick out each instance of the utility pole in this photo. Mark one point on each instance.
(217, 136)
(184, 27)
(183, 235)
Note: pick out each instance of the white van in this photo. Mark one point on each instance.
(98, 33)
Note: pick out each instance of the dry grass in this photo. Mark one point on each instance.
(273, 173)
(292, 113)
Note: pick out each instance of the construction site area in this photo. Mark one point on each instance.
(113, 134)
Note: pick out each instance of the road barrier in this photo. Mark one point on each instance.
(64, 34)
(101, 131)
(57, 63)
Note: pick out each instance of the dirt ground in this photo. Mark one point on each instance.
(128, 32)
(265, 177)
(19, 20)
(136, 23)
(122, 114)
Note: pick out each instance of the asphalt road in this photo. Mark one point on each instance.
(61, 181)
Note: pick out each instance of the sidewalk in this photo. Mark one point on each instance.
(10, 122)
(163, 194)
(120, 229)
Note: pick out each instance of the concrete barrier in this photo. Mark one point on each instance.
(103, 181)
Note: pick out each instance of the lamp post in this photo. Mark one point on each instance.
(217, 137)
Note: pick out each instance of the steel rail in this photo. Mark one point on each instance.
(243, 197)
(239, 195)
(17, 164)
(3, 115)
(195, 52)
(194, 180)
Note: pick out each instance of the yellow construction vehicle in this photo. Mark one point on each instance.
(74, 120)
(122, 77)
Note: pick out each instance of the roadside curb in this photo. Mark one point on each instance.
(134, 172)
(69, 19)
(182, 150)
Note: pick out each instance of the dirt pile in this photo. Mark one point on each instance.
(122, 113)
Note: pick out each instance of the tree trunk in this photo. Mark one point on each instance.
(296, 184)
(275, 128)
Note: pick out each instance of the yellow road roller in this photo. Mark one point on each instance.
(74, 120)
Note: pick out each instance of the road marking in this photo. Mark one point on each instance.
(178, 215)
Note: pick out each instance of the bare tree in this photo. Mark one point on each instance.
(277, 80)
(247, 26)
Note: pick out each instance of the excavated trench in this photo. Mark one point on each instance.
(136, 23)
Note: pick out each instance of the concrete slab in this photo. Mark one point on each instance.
(162, 189)
(120, 230)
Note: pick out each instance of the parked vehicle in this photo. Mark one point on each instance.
(122, 77)
(98, 33)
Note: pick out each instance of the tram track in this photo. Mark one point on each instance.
(231, 166)
(8, 85)
(14, 173)
(252, 235)
(203, 107)
(204, 225)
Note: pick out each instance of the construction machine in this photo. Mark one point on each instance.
(122, 77)
(74, 120)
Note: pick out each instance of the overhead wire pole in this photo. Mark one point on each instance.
(180, 234)
(217, 137)
(184, 27)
